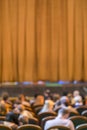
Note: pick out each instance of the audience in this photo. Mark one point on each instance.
(13, 115)
(5, 101)
(61, 119)
(19, 112)
(64, 102)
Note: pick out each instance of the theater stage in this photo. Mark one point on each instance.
(30, 90)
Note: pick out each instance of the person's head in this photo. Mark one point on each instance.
(65, 93)
(21, 108)
(64, 112)
(48, 106)
(76, 93)
(70, 96)
(5, 96)
(23, 120)
(48, 91)
(47, 94)
(21, 97)
(39, 99)
(64, 100)
(56, 97)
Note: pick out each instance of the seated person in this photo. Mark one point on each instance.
(13, 115)
(61, 100)
(16, 113)
(6, 102)
(61, 119)
(65, 102)
(48, 106)
(56, 98)
(22, 100)
(77, 100)
(48, 94)
(23, 120)
(38, 100)
(24, 112)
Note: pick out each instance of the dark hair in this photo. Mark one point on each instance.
(65, 93)
(5, 96)
(12, 117)
(37, 94)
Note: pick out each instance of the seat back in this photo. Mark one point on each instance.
(78, 120)
(33, 121)
(82, 127)
(29, 127)
(28, 108)
(36, 106)
(59, 128)
(3, 127)
(46, 119)
(81, 109)
(84, 113)
(37, 109)
(2, 118)
(74, 114)
(45, 114)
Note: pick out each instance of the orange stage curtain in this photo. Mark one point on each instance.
(43, 40)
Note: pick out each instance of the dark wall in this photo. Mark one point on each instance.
(30, 90)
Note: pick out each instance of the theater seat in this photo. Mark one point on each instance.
(29, 127)
(3, 127)
(78, 120)
(59, 128)
(82, 127)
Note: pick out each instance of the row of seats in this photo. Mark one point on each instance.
(35, 127)
(79, 118)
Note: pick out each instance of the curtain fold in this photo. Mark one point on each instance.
(43, 40)
(0, 47)
(85, 38)
(71, 41)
